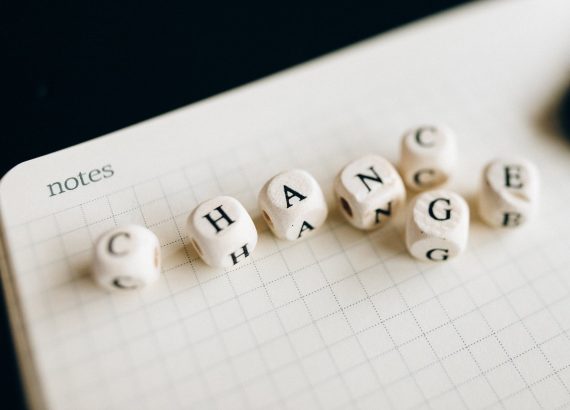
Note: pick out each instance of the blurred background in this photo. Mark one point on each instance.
(79, 70)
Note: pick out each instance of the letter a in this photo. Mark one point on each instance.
(305, 227)
(291, 193)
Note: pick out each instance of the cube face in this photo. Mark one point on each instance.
(428, 156)
(437, 226)
(127, 258)
(369, 191)
(222, 231)
(293, 204)
(509, 193)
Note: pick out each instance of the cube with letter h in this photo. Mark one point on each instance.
(222, 232)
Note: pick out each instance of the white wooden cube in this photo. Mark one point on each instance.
(222, 231)
(428, 156)
(293, 205)
(127, 257)
(509, 192)
(369, 191)
(437, 226)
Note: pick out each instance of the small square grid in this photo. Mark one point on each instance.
(334, 317)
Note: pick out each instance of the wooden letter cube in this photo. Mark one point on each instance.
(293, 205)
(428, 157)
(369, 191)
(509, 192)
(437, 226)
(222, 231)
(126, 258)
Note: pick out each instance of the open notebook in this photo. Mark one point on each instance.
(344, 318)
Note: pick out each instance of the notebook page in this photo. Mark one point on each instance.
(344, 318)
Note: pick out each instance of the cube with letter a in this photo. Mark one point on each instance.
(293, 205)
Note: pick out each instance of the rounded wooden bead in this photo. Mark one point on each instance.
(293, 205)
(509, 192)
(428, 156)
(222, 231)
(437, 226)
(127, 257)
(369, 191)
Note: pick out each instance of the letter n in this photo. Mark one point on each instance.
(59, 188)
(374, 178)
(381, 211)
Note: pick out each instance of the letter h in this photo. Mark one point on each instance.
(223, 215)
(235, 257)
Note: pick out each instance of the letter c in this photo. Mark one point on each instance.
(423, 142)
(118, 282)
(110, 247)
(418, 179)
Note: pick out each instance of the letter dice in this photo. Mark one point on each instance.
(428, 157)
(370, 191)
(222, 231)
(293, 205)
(126, 258)
(509, 192)
(437, 226)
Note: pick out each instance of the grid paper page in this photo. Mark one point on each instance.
(343, 319)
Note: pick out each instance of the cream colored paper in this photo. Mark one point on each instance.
(345, 318)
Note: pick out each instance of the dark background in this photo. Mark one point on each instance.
(75, 71)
